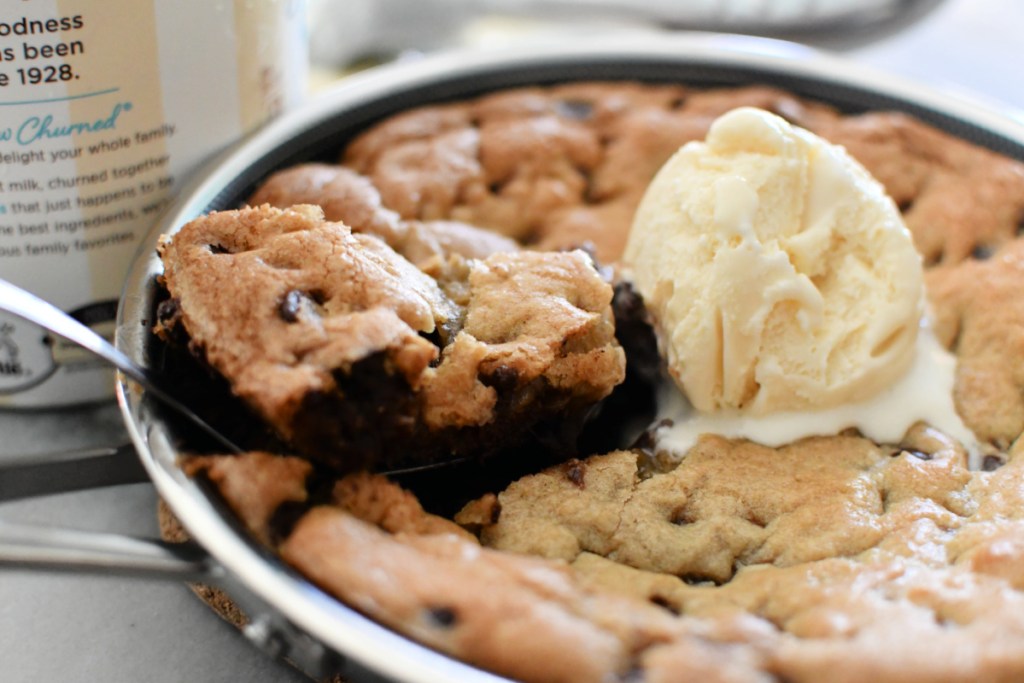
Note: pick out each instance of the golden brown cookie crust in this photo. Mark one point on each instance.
(934, 574)
(732, 504)
(837, 545)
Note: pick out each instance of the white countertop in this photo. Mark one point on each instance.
(102, 629)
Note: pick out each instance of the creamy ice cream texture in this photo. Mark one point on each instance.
(787, 294)
(779, 273)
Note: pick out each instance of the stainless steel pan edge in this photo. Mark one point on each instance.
(286, 606)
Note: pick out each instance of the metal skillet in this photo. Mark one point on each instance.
(289, 615)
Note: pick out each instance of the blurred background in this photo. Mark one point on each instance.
(952, 44)
(356, 30)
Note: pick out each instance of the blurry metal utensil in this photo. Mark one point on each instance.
(21, 303)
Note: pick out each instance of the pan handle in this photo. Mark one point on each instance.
(49, 548)
(40, 547)
(25, 546)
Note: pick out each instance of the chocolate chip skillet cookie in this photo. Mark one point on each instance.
(831, 558)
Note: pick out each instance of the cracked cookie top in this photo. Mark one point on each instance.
(834, 545)
(347, 197)
(566, 165)
(731, 504)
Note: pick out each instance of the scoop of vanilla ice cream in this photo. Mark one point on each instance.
(778, 272)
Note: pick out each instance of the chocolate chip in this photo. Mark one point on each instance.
(502, 379)
(576, 471)
(168, 310)
(443, 617)
(905, 205)
(290, 306)
(575, 109)
(990, 463)
(982, 252)
(634, 675)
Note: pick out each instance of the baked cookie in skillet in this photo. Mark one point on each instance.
(832, 558)
(357, 358)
